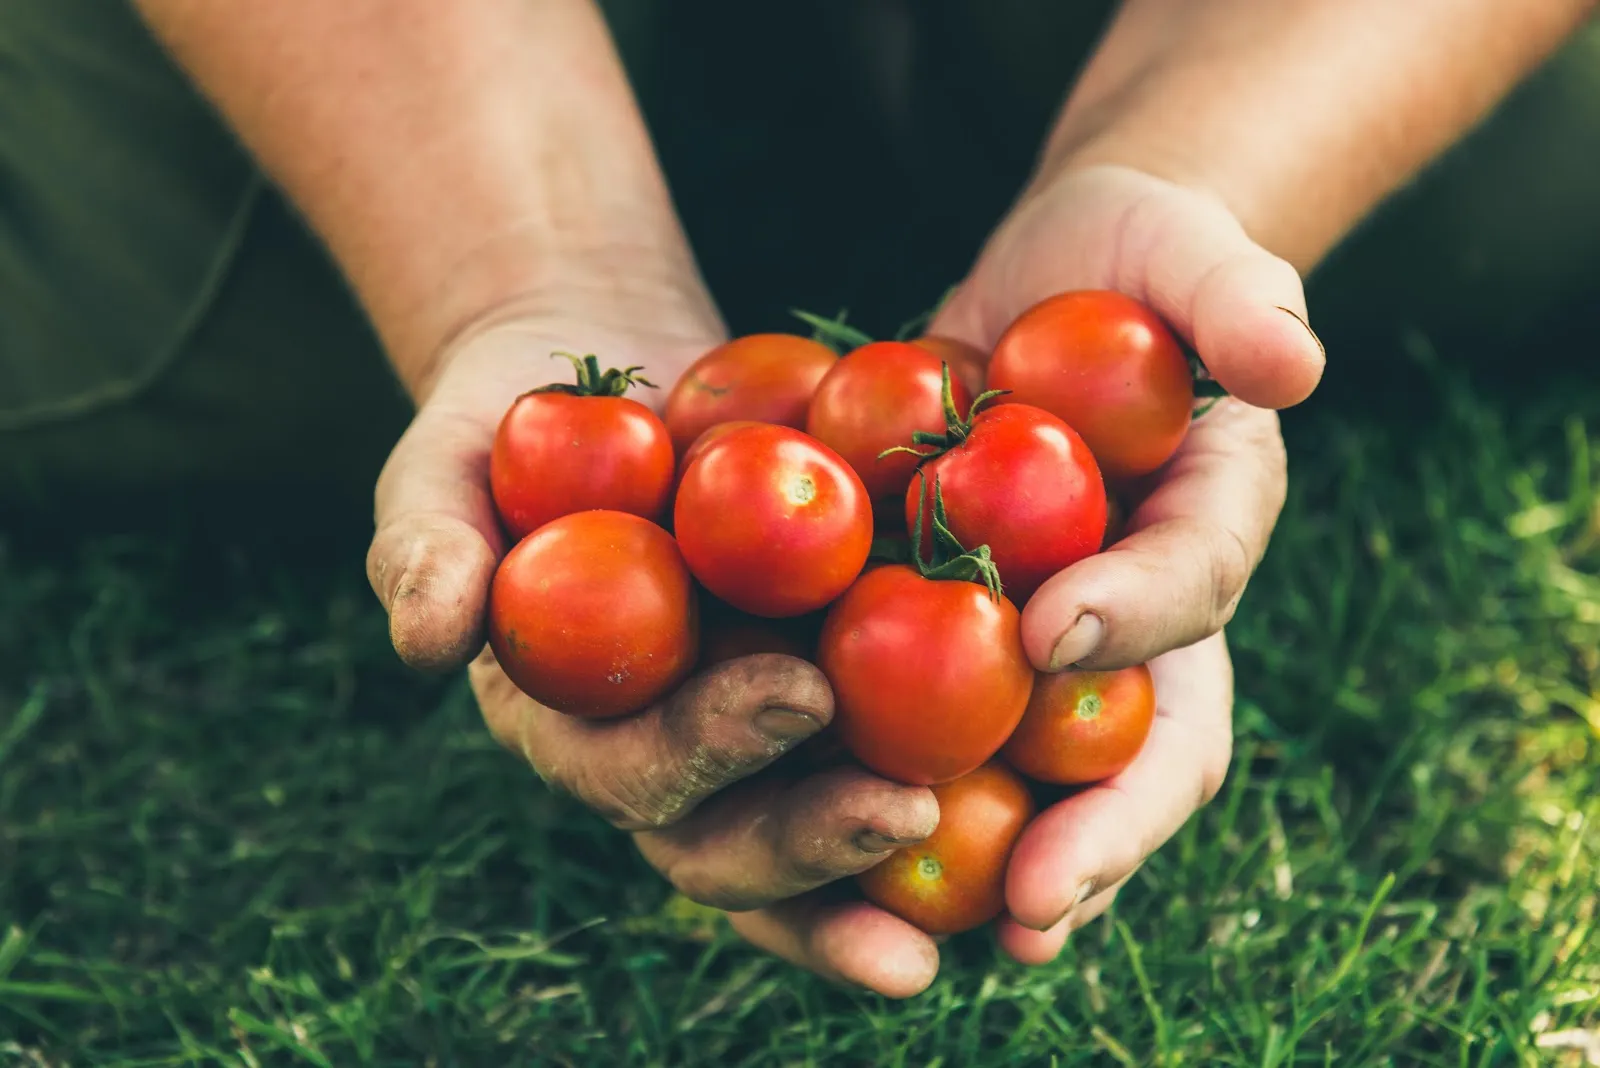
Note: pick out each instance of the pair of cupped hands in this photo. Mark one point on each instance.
(685, 777)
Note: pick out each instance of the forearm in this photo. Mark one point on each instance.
(1301, 114)
(453, 156)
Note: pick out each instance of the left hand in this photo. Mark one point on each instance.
(1162, 594)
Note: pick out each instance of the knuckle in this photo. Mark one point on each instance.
(1231, 567)
(811, 860)
(630, 799)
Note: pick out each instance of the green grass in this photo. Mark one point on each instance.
(233, 830)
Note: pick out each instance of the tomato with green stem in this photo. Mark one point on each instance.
(572, 447)
(594, 614)
(1107, 365)
(926, 661)
(1017, 479)
(1083, 726)
(955, 879)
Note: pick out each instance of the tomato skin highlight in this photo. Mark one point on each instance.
(701, 443)
(772, 521)
(968, 363)
(929, 676)
(1024, 484)
(955, 879)
(1083, 726)
(556, 453)
(874, 399)
(594, 614)
(1109, 367)
(764, 378)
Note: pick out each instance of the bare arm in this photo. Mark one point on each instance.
(455, 157)
(1300, 114)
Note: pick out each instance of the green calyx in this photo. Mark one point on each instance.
(1207, 389)
(957, 426)
(593, 382)
(947, 558)
(835, 333)
(920, 323)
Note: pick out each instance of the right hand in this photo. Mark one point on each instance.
(769, 838)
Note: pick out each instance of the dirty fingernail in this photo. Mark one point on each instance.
(874, 842)
(1079, 641)
(786, 725)
(1085, 892)
(1302, 321)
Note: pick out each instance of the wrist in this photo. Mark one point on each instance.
(608, 286)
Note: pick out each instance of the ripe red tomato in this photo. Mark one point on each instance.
(955, 879)
(1020, 481)
(728, 634)
(968, 363)
(772, 521)
(594, 614)
(692, 453)
(929, 675)
(564, 449)
(876, 398)
(1083, 726)
(1107, 365)
(765, 378)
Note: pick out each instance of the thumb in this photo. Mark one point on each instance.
(1241, 307)
(1176, 249)
(436, 541)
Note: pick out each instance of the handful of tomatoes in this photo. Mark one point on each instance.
(867, 512)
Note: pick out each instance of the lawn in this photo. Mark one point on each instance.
(234, 830)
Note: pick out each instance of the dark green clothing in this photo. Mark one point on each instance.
(166, 320)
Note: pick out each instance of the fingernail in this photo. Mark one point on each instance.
(873, 842)
(1078, 642)
(785, 725)
(399, 579)
(1085, 892)
(1301, 320)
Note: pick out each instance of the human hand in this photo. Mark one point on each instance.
(764, 838)
(1199, 526)
(1163, 593)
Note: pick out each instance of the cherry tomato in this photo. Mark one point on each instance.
(564, 449)
(772, 521)
(1020, 481)
(594, 614)
(876, 398)
(712, 433)
(728, 634)
(968, 363)
(1083, 726)
(1107, 365)
(955, 879)
(929, 675)
(765, 378)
